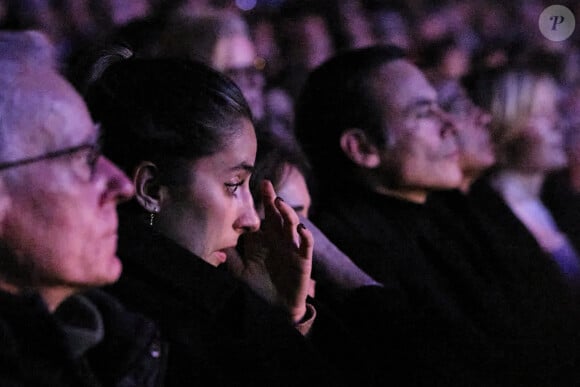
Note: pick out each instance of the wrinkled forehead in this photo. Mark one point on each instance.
(400, 84)
(46, 110)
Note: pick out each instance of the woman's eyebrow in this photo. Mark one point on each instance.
(243, 166)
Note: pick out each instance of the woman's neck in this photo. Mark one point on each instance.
(515, 186)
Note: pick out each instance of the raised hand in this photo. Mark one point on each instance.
(277, 260)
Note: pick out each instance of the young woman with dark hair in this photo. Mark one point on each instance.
(184, 133)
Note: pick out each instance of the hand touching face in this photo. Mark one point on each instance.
(277, 260)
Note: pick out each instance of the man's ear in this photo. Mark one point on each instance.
(359, 148)
(147, 188)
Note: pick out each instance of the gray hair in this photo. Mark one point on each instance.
(27, 48)
(21, 52)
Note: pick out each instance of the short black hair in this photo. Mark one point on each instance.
(337, 96)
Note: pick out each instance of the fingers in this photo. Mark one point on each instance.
(268, 192)
(272, 217)
(290, 220)
(277, 212)
(280, 214)
(306, 247)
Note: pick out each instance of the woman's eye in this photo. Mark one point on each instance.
(233, 187)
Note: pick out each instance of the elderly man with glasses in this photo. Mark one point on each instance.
(58, 239)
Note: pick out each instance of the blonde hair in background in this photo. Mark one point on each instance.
(512, 102)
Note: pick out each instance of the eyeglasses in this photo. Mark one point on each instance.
(90, 158)
(250, 72)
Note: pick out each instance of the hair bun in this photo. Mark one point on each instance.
(95, 65)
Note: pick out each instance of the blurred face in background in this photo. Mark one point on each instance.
(542, 135)
(293, 189)
(526, 123)
(310, 42)
(476, 152)
(236, 56)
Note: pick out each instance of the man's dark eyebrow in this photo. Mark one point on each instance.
(298, 208)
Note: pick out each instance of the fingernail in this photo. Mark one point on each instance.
(301, 227)
(279, 198)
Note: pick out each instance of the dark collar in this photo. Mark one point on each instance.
(82, 324)
(158, 260)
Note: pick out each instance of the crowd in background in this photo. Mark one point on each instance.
(331, 192)
(291, 37)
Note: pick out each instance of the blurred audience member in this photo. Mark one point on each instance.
(379, 144)
(444, 59)
(222, 40)
(349, 24)
(263, 25)
(571, 122)
(282, 161)
(476, 153)
(460, 317)
(561, 189)
(279, 112)
(529, 144)
(391, 25)
(306, 41)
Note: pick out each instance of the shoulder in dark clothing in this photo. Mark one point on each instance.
(34, 351)
(220, 332)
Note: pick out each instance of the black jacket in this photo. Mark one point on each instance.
(448, 309)
(220, 332)
(35, 351)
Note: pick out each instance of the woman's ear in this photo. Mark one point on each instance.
(357, 146)
(147, 188)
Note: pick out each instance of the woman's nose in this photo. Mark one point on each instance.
(249, 221)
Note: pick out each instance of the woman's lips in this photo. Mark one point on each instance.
(221, 256)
